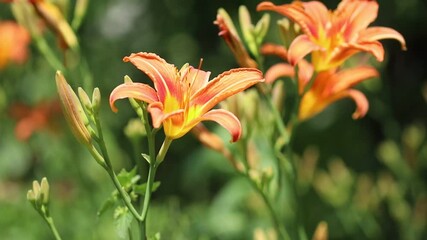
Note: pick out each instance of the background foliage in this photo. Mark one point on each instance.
(366, 178)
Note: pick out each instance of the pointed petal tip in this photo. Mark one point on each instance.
(264, 6)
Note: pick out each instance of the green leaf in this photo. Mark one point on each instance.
(122, 221)
(146, 157)
(141, 188)
(127, 179)
(108, 204)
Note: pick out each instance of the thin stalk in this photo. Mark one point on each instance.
(44, 48)
(108, 167)
(52, 227)
(150, 181)
(283, 234)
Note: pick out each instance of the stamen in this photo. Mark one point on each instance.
(198, 69)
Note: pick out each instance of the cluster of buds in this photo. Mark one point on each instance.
(38, 196)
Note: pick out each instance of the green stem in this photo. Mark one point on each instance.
(44, 48)
(44, 213)
(283, 234)
(150, 181)
(106, 163)
(52, 227)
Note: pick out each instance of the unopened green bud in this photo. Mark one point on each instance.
(261, 28)
(127, 79)
(44, 189)
(247, 29)
(31, 197)
(96, 100)
(84, 99)
(36, 188)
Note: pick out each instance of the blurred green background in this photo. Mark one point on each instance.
(371, 175)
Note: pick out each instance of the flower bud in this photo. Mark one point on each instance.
(31, 197)
(44, 189)
(52, 15)
(84, 99)
(229, 33)
(96, 100)
(73, 110)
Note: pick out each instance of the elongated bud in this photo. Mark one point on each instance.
(228, 32)
(44, 189)
(56, 20)
(73, 110)
(84, 99)
(247, 29)
(96, 100)
(261, 28)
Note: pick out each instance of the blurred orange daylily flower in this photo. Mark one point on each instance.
(183, 98)
(32, 119)
(330, 86)
(14, 41)
(334, 36)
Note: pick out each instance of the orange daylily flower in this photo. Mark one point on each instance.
(333, 36)
(14, 42)
(284, 69)
(330, 86)
(183, 98)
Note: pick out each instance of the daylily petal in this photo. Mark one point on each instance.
(362, 104)
(160, 72)
(294, 11)
(299, 48)
(305, 73)
(375, 48)
(310, 105)
(317, 11)
(227, 120)
(157, 114)
(359, 14)
(279, 70)
(140, 91)
(226, 84)
(350, 77)
(378, 33)
(275, 49)
(198, 79)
